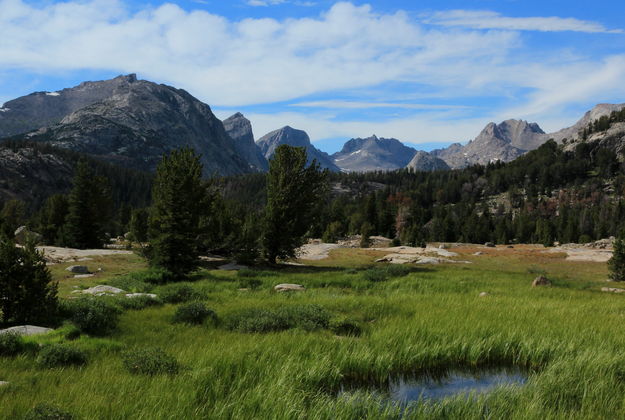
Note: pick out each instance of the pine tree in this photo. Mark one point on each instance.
(617, 262)
(179, 197)
(292, 192)
(89, 208)
(27, 292)
(139, 225)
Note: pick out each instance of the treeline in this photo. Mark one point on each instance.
(550, 194)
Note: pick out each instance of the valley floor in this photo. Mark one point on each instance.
(429, 317)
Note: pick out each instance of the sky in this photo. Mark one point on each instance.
(426, 72)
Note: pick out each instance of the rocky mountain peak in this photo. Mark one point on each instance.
(423, 161)
(240, 131)
(297, 138)
(373, 153)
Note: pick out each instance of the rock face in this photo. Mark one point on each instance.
(29, 174)
(572, 133)
(287, 135)
(102, 290)
(26, 330)
(423, 161)
(497, 142)
(239, 129)
(23, 236)
(373, 154)
(42, 109)
(286, 287)
(131, 123)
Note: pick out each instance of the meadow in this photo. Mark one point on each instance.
(269, 355)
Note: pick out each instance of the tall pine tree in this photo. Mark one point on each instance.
(179, 198)
(292, 192)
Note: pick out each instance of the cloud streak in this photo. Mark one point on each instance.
(492, 20)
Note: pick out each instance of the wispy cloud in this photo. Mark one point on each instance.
(491, 20)
(336, 104)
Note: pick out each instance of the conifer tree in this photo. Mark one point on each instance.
(179, 197)
(89, 207)
(27, 292)
(292, 192)
(617, 262)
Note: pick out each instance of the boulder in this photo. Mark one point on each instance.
(232, 267)
(26, 330)
(489, 245)
(3, 383)
(23, 235)
(136, 295)
(478, 253)
(102, 290)
(78, 269)
(484, 294)
(541, 281)
(612, 290)
(83, 276)
(286, 287)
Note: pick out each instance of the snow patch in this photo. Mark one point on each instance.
(4, 109)
(53, 94)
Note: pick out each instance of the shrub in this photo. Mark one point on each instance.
(150, 361)
(138, 302)
(247, 272)
(92, 316)
(45, 411)
(395, 270)
(256, 321)
(138, 282)
(345, 327)
(374, 275)
(250, 283)
(193, 313)
(11, 344)
(178, 293)
(307, 317)
(72, 333)
(57, 355)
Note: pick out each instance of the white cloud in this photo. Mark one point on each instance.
(491, 20)
(336, 104)
(229, 63)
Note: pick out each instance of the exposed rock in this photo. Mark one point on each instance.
(102, 290)
(541, 281)
(373, 154)
(484, 294)
(478, 253)
(137, 295)
(23, 235)
(239, 129)
(3, 383)
(423, 161)
(26, 330)
(135, 122)
(612, 290)
(597, 112)
(298, 138)
(78, 269)
(232, 267)
(83, 276)
(489, 245)
(286, 287)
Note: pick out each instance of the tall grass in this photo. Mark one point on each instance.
(570, 338)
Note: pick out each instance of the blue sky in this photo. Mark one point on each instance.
(426, 72)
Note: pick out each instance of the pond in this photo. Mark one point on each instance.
(450, 383)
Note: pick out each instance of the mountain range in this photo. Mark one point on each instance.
(132, 123)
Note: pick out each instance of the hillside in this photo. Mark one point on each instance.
(131, 123)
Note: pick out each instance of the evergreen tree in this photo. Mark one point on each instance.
(27, 292)
(139, 225)
(617, 262)
(179, 197)
(52, 218)
(292, 192)
(89, 209)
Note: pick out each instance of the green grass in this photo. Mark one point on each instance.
(569, 335)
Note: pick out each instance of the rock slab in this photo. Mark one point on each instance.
(286, 287)
(26, 330)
